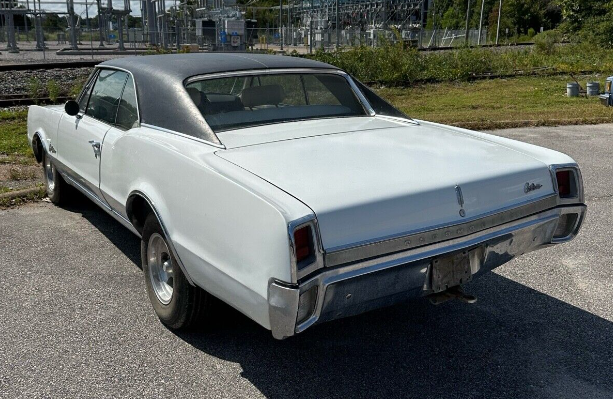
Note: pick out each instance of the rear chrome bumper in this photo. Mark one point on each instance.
(361, 286)
(605, 99)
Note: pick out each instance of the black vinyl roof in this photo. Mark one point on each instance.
(159, 80)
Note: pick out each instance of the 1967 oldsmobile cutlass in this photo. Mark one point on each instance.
(292, 192)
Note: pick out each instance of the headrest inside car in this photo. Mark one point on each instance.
(195, 95)
(262, 95)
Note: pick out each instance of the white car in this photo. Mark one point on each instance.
(292, 192)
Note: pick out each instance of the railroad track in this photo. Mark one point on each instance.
(11, 100)
(48, 65)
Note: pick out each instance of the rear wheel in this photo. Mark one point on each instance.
(177, 303)
(55, 185)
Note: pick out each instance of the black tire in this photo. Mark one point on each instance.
(57, 189)
(188, 305)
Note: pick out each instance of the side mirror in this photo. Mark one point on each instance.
(71, 107)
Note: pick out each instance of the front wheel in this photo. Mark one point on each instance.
(176, 302)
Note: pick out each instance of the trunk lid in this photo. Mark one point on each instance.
(376, 184)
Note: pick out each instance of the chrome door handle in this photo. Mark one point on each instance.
(96, 146)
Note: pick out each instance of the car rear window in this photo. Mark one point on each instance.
(243, 101)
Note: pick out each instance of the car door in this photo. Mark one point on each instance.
(81, 137)
(118, 151)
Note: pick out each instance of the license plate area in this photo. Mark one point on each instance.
(450, 270)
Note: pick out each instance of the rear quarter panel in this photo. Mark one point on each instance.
(44, 121)
(229, 227)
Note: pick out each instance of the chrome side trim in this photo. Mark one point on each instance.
(187, 136)
(262, 71)
(443, 233)
(164, 230)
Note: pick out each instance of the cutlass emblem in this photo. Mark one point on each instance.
(531, 187)
(458, 193)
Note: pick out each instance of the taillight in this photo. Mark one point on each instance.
(303, 241)
(563, 178)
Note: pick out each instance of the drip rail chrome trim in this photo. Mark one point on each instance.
(417, 239)
(187, 136)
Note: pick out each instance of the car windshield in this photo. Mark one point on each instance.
(242, 101)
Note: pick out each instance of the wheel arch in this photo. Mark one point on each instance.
(37, 146)
(138, 207)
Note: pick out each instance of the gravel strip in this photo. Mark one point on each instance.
(20, 82)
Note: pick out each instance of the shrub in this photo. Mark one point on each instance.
(546, 42)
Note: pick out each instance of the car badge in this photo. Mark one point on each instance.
(458, 193)
(531, 187)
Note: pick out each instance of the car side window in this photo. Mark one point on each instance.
(86, 92)
(127, 114)
(104, 100)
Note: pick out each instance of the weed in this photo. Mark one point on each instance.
(54, 90)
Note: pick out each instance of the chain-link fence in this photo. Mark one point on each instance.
(299, 39)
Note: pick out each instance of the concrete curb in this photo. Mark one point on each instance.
(20, 193)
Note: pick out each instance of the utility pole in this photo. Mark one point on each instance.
(480, 23)
(498, 28)
(467, 17)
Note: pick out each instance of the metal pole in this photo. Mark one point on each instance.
(25, 20)
(498, 27)
(281, 23)
(480, 23)
(311, 30)
(73, 28)
(120, 33)
(467, 16)
(289, 25)
(338, 30)
(12, 42)
(151, 23)
(100, 23)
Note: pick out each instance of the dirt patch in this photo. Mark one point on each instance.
(16, 176)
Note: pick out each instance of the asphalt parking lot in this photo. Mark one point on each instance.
(75, 320)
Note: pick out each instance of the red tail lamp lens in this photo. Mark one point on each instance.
(563, 178)
(302, 240)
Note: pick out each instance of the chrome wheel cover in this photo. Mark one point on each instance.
(49, 175)
(161, 273)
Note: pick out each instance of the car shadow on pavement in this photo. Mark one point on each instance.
(117, 234)
(514, 342)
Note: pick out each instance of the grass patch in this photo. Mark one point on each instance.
(500, 103)
(20, 115)
(14, 139)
